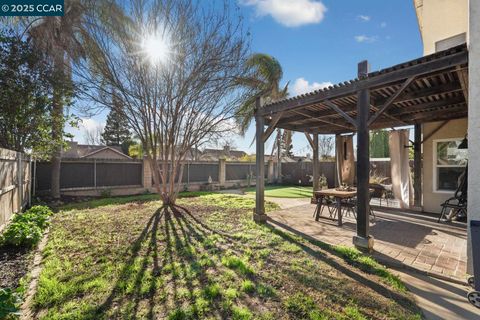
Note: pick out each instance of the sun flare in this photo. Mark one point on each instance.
(157, 48)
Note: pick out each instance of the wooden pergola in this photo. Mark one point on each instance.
(427, 89)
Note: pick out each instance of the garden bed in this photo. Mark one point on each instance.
(14, 265)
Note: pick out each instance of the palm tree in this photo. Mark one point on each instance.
(264, 73)
(64, 39)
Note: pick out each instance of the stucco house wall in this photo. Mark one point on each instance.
(454, 129)
(440, 19)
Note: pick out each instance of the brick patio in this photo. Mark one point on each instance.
(404, 239)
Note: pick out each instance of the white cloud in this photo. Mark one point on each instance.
(290, 13)
(89, 124)
(303, 86)
(383, 24)
(363, 18)
(365, 39)
(84, 125)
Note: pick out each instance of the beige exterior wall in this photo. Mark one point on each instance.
(440, 19)
(107, 154)
(453, 129)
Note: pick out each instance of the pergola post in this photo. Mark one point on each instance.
(279, 156)
(363, 240)
(316, 163)
(259, 214)
(417, 166)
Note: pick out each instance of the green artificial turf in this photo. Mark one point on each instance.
(285, 191)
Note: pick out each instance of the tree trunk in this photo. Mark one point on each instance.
(57, 124)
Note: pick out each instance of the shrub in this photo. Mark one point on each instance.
(21, 233)
(40, 221)
(40, 210)
(9, 303)
(26, 229)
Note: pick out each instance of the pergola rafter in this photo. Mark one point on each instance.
(431, 88)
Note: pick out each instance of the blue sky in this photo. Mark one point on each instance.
(321, 42)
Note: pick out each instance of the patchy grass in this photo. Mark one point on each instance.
(109, 201)
(284, 191)
(205, 259)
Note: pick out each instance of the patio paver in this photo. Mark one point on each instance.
(402, 239)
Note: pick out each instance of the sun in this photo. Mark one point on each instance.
(157, 48)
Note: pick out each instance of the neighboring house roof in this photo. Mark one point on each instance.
(106, 148)
(76, 150)
(215, 154)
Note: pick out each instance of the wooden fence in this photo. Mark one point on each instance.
(15, 186)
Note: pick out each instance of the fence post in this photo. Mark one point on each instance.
(271, 174)
(147, 174)
(188, 174)
(29, 173)
(221, 171)
(95, 173)
(19, 182)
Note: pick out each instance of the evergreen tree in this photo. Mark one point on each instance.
(379, 144)
(116, 132)
(287, 145)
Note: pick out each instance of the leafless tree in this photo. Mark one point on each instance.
(325, 146)
(175, 64)
(93, 136)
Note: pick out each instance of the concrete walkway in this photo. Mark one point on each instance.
(402, 239)
(439, 299)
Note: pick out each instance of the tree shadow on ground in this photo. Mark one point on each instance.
(183, 265)
(354, 275)
(181, 270)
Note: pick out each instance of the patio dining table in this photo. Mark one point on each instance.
(339, 195)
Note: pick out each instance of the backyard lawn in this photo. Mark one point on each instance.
(126, 259)
(284, 191)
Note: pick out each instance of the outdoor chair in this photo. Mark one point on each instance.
(381, 192)
(326, 202)
(350, 206)
(456, 205)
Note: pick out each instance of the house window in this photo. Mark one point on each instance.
(450, 42)
(449, 163)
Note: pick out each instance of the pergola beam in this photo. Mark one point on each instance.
(390, 100)
(341, 112)
(418, 69)
(312, 116)
(423, 107)
(462, 74)
(423, 93)
(387, 116)
(439, 114)
(271, 126)
(403, 115)
(310, 140)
